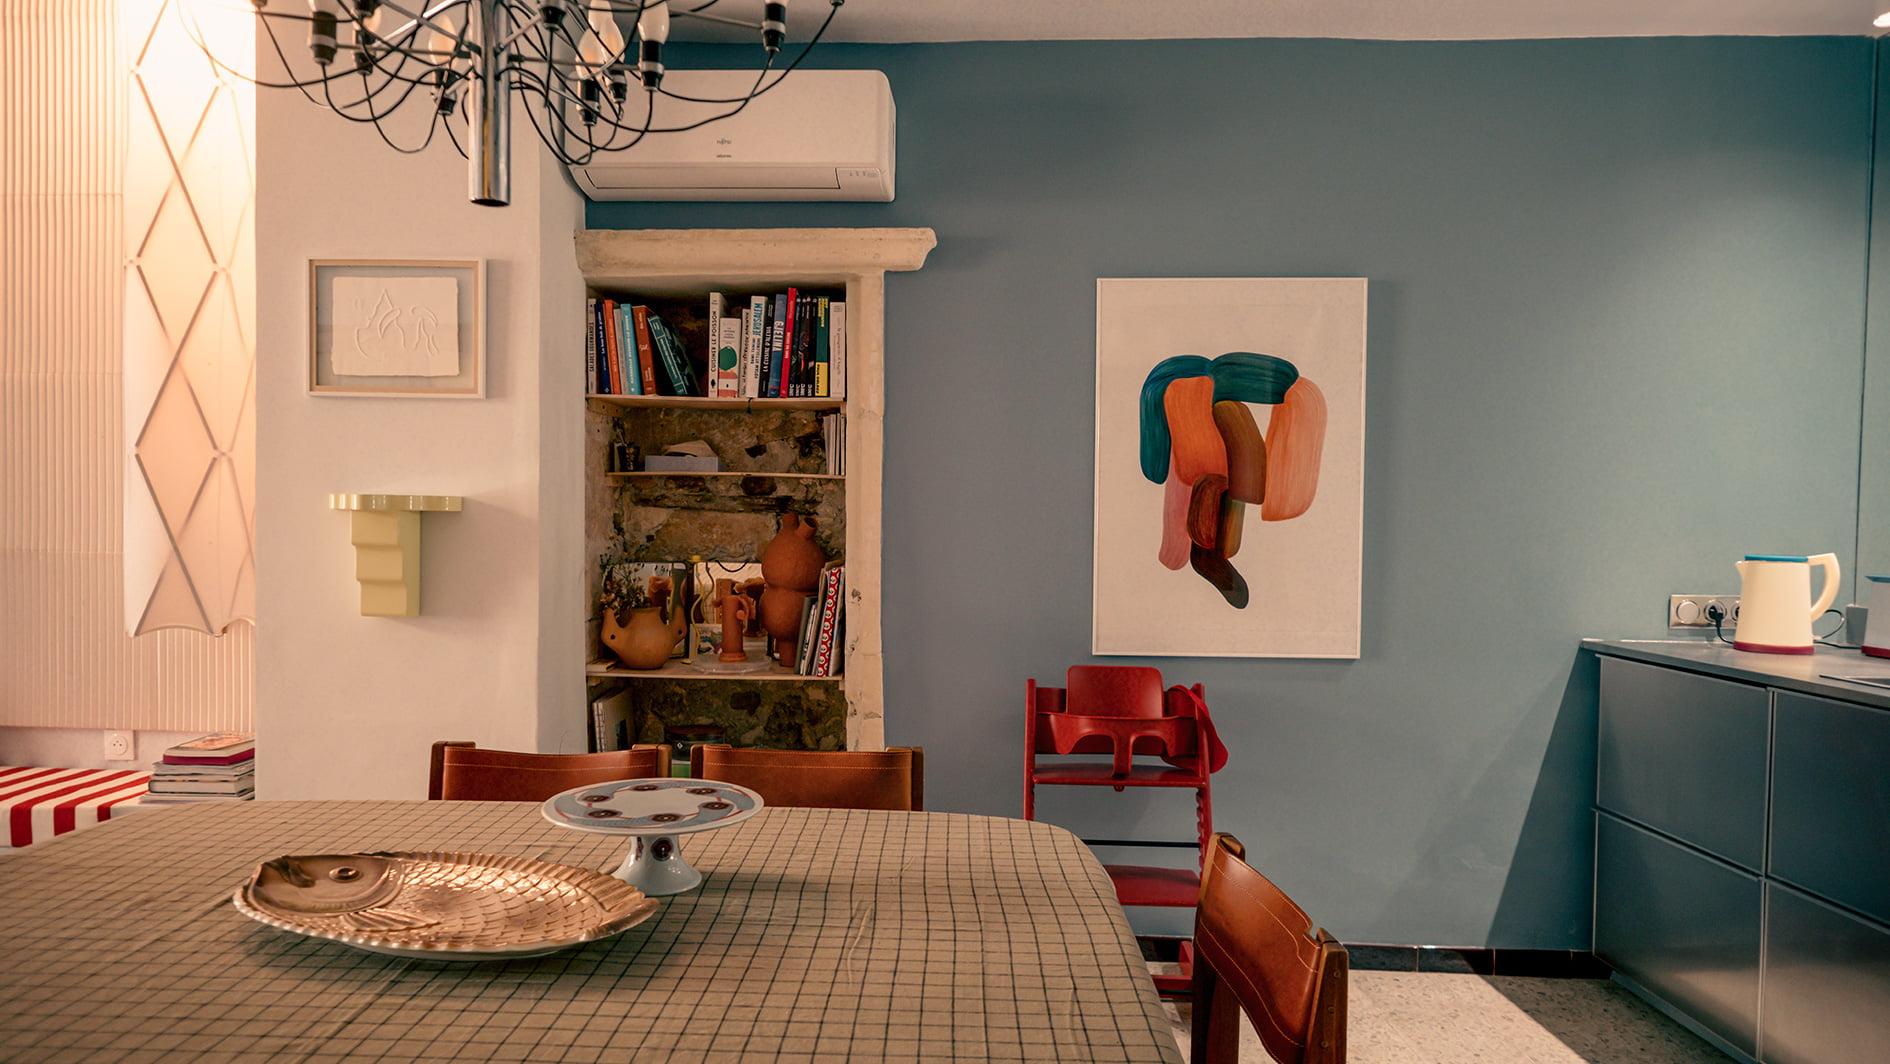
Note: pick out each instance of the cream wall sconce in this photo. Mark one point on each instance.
(385, 531)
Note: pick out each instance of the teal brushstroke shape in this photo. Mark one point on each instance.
(1246, 377)
(1155, 438)
(1243, 376)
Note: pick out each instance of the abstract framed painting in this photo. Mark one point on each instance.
(1230, 466)
(397, 328)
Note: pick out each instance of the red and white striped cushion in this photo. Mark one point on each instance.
(39, 803)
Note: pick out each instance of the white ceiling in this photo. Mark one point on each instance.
(1012, 20)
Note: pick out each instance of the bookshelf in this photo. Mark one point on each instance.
(653, 515)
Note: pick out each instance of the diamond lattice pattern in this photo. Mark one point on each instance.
(189, 350)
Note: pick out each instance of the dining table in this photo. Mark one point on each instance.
(816, 935)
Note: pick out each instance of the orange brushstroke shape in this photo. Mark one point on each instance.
(1295, 435)
(1204, 511)
(1195, 446)
(1246, 451)
(1175, 499)
(1233, 517)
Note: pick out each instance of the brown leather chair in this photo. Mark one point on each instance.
(463, 772)
(851, 779)
(1256, 950)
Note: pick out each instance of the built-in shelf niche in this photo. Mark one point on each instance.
(681, 267)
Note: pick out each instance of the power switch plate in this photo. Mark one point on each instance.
(118, 746)
(1694, 611)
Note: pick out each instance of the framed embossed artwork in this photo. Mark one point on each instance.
(1230, 445)
(397, 328)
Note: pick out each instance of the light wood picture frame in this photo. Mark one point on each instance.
(397, 338)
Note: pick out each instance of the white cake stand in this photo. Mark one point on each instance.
(654, 811)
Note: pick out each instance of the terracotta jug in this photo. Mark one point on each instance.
(791, 566)
(646, 641)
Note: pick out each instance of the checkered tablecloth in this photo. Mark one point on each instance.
(817, 935)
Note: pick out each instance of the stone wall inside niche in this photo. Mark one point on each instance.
(786, 716)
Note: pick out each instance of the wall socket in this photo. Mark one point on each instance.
(118, 746)
(1691, 611)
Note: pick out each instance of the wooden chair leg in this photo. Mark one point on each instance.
(1214, 1033)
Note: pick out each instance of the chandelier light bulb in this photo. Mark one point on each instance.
(653, 25)
(593, 56)
(324, 15)
(652, 31)
(1882, 21)
(440, 45)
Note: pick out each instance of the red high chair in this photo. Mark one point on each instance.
(1123, 711)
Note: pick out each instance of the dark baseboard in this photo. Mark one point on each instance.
(1542, 963)
(1466, 960)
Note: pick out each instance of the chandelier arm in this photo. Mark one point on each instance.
(785, 71)
(196, 37)
(367, 100)
(451, 136)
(432, 127)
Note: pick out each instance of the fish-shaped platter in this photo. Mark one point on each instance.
(441, 906)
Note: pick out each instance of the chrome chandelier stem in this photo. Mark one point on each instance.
(490, 111)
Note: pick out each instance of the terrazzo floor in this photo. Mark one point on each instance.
(1433, 1018)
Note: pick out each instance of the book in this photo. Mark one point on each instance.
(646, 349)
(173, 786)
(610, 721)
(741, 352)
(804, 348)
(218, 748)
(803, 652)
(675, 361)
(712, 377)
(613, 345)
(632, 372)
(837, 359)
(788, 334)
(823, 347)
(832, 598)
(224, 772)
(751, 350)
(771, 379)
(181, 799)
(595, 326)
(727, 343)
(591, 381)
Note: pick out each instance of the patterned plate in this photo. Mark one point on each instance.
(652, 806)
(441, 906)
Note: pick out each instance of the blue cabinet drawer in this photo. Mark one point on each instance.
(1681, 924)
(1827, 983)
(1831, 801)
(1685, 755)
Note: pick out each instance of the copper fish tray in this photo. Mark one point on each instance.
(441, 906)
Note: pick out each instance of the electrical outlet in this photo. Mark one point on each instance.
(118, 746)
(1693, 611)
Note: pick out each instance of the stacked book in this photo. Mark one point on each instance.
(792, 345)
(213, 768)
(823, 627)
(833, 432)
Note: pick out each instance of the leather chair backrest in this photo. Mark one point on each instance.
(1257, 950)
(849, 779)
(463, 772)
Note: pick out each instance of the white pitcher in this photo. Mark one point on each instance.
(1775, 606)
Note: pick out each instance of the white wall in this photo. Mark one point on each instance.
(347, 706)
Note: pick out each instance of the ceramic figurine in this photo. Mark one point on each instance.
(736, 612)
(791, 566)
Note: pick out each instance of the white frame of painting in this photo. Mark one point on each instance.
(471, 381)
(1340, 291)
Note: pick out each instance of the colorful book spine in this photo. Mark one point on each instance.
(712, 362)
(804, 350)
(613, 351)
(646, 351)
(591, 381)
(727, 354)
(837, 372)
(632, 372)
(832, 591)
(675, 360)
(771, 385)
(823, 347)
(787, 344)
(752, 341)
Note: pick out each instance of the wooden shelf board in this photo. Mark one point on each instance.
(678, 669)
(699, 403)
(729, 473)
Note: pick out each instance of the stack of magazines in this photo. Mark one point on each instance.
(213, 768)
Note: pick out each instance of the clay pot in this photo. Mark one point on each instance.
(646, 640)
(791, 566)
(736, 611)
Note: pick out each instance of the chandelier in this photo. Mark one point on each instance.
(569, 60)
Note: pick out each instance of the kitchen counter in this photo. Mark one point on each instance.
(1805, 673)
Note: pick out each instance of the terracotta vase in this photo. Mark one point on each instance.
(791, 566)
(646, 640)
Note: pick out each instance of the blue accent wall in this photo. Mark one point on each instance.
(1616, 337)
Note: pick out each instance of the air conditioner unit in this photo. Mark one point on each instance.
(818, 135)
